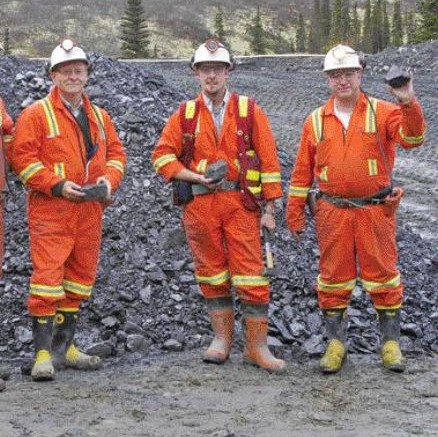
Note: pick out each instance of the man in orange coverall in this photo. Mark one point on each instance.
(348, 150)
(63, 143)
(6, 130)
(223, 234)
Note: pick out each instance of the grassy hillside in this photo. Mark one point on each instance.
(176, 25)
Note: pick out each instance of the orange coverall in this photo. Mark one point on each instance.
(224, 236)
(6, 131)
(351, 164)
(65, 236)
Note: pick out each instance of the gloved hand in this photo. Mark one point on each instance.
(216, 171)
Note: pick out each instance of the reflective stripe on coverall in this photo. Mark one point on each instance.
(6, 131)
(350, 164)
(65, 236)
(224, 237)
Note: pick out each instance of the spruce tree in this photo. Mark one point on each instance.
(428, 22)
(355, 36)
(6, 42)
(325, 24)
(134, 31)
(397, 26)
(410, 26)
(367, 42)
(314, 43)
(345, 21)
(336, 26)
(301, 34)
(376, 27)
(256, 32)
(219, 28)
(386, 30)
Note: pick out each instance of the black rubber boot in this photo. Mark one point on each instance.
(42, 369)
(66, 354)
(336, 330)
(392, 356)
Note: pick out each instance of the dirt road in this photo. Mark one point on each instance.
(178, 396)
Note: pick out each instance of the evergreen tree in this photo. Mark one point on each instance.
(256, 32)
(345, 21)
(367, 42)
(325, 24)
(355, 36)
(219, 28)
(428, 23)
(386, 30)
(301, 34)
(376, 27)
(410, 26)
(134, 31)
(397, 26)
(314, 43)
(6, 42)
(336, 26)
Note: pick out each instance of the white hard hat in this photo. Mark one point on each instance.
(341, 57)
(211, 51)
(65, 52)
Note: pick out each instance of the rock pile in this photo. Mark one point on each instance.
(146, 299)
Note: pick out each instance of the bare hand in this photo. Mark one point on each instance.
(104, 180)
(405, 94)
(268, 221)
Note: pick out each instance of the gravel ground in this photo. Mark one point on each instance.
(175, 394)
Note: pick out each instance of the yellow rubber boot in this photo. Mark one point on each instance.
(76, 359)
(334, 356)
(392, 356)
(256, 350)
(66, 354)
(336, 330)
(42, 369)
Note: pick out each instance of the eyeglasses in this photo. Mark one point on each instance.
(216, 69)
(72, 71)
(339, 75)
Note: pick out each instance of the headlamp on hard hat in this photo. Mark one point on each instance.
(67, 51)
(212, 51)
(67, 44)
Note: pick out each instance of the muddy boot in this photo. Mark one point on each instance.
(66, 354)
(336, 330)
(222, 321)
(390, 327)
(256, 351)
(42, 369)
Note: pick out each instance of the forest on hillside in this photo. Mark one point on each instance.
(174, 27)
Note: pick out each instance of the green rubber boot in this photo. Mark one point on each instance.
(392, 356)
(65, 353)
(43, 369)
(336, 351)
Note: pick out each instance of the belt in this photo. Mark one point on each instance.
(357, 202)
(198, 189)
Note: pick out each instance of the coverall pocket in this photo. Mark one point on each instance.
(392, 202)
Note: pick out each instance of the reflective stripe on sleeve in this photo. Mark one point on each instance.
(30, 170)
(298, 191)
(116, 164)
(163, 160)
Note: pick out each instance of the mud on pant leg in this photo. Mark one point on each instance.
(81, 265)
(377, 255)
(242, 234)
(203, 229)
(337, 278)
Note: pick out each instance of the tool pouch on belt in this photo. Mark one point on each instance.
(392, 201)
(188, 115)
(249, 175)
